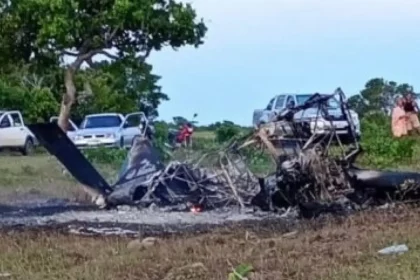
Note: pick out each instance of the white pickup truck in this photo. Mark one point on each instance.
(282, 101)
(14, 134)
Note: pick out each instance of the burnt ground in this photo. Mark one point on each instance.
(36, 193)
(330, 248)
(50, 232)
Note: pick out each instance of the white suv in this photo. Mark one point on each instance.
(14, 134)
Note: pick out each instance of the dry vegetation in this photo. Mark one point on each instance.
(342, 249)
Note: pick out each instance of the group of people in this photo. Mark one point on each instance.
(404, 116)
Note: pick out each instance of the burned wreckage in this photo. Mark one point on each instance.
(315, 171)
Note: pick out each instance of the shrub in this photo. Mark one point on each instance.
(380, 148)
(226, 132)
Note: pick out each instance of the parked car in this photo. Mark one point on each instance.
(317, 123)
(111, 130)
(14, 134)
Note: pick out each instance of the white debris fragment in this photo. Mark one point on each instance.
(396, 249)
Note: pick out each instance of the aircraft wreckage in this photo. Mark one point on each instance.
(315, 171)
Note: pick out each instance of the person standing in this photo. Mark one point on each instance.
(411, 109)
(399, 119)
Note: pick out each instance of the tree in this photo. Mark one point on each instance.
(378, 96)
(178, 121)
(358, 104)
(121, 30)
(138, 83)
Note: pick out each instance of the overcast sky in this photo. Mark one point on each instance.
(256, 49)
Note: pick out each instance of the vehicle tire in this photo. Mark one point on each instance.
(28, 148)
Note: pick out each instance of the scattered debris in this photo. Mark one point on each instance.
(392, 250)
(103, 231)
(291, 234)
(138, 244)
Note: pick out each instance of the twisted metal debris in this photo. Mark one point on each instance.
(315, 171)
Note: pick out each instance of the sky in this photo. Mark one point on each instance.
(256, 49)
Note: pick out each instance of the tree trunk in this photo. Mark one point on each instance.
(68, 99)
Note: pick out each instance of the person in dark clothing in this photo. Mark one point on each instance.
(411, 109)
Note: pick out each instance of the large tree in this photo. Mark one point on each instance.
(44, 32)
(378, 96)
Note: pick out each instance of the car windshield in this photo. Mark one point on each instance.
(332, 102)
(101, 121)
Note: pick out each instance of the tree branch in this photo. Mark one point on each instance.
(107, 54)
(113, 33)
(82, 58)
(89, 61)
(69, 53)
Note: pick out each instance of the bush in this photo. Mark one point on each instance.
(35, 104)
(380, 148)
(226, 132)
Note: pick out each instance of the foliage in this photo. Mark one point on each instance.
(380, 148)
(49, 29)
(240, 272)
(378, 96)
(40, 34)
(226, 132)
(36, 104)
(103, 87)
(136, 82)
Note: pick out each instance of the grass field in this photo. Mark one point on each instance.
(204, 134)
(342, 249)
(40, 175)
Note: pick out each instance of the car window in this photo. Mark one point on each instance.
(290, 102)
(133, 120)
(332, 102)
(280, 102)
(16, 119)
(301, 99)
(101, 122)
(270, 104)
(5, 122)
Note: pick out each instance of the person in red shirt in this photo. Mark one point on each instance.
(185, 133)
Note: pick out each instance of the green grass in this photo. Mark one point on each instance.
(205, 135)
(41, 174)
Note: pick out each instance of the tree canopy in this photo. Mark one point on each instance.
(42, 33)
(378, 96)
